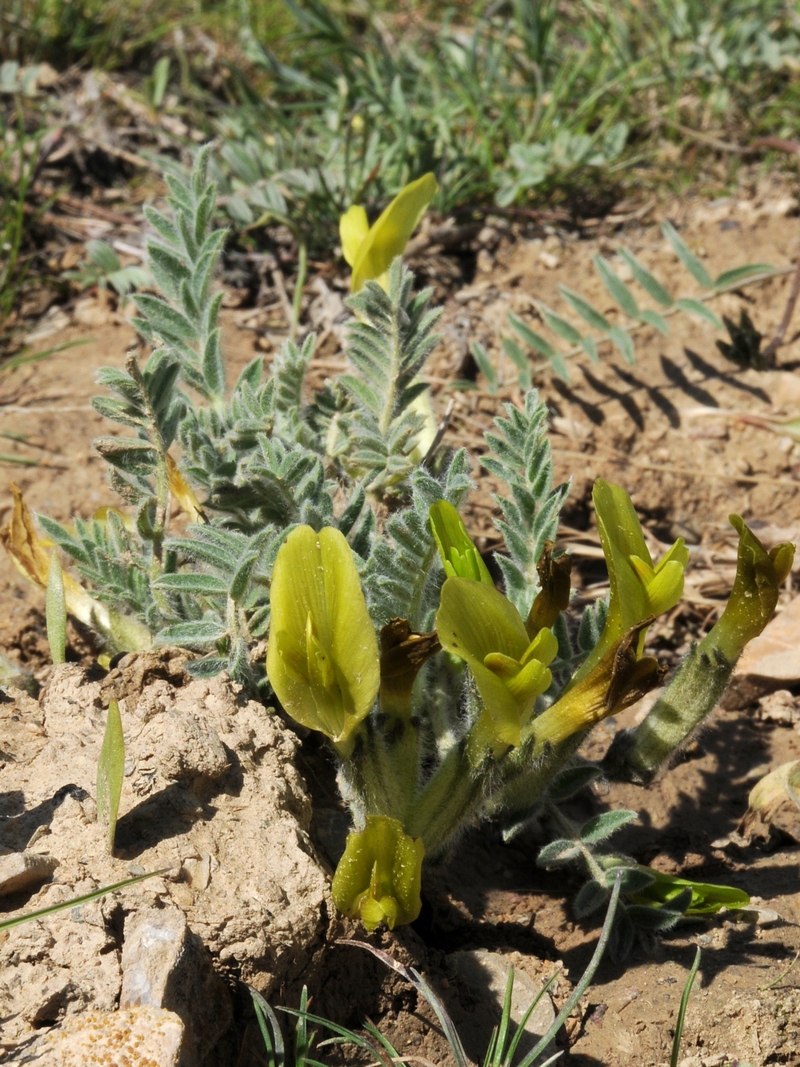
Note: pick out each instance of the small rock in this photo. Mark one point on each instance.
(548, 260)
(487, 975)
(165, 965)
(771, 661)
(779, 707)
(22, 870)
(139, 1037)
(91, 311)
(11, 674)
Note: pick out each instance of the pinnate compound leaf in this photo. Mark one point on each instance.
(110, 773)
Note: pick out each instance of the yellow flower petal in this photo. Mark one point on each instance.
(390, 234)
(353, 229)
(322, 654)
(379, 876)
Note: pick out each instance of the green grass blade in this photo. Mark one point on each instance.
(583, 984)
(686, 256)
(56, 612)
(270, 1030)
(87, 898)
(21, 359)
(687, 989)
(110, 773)
(415, 978)
(505, 1021)
(512, 1048)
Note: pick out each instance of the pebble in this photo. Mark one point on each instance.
(22, 870)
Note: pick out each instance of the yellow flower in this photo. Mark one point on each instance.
(370, 250)
(639, 589)
(322, 654)
(378, 877)
(482, 627)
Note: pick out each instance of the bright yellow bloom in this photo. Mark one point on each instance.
(369, 250)
(378, 877)
(322, 655)
(639, 589)
(479, 625)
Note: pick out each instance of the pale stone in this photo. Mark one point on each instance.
(21, 870)
(770, 661)
(139, 1037)
(165, 965)
(486, 973)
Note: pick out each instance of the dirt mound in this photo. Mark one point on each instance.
(211, 793)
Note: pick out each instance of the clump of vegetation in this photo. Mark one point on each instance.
(508, 103)
(328, 524)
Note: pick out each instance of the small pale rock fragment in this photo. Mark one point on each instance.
(771, 661)
(548, 260)
(22, 870)
(91, 311)
(486, 973)
(165, 965)
(779, 707)
(139, 1037)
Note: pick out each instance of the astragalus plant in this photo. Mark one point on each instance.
(326, 521)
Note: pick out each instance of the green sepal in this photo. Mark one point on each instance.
(379, 876)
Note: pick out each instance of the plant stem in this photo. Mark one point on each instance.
(297, 296)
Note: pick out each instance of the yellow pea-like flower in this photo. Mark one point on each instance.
(369, 250)
(322, 653)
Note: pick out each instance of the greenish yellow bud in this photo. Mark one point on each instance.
(378, 877)
(460, 557)
(639, 589)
